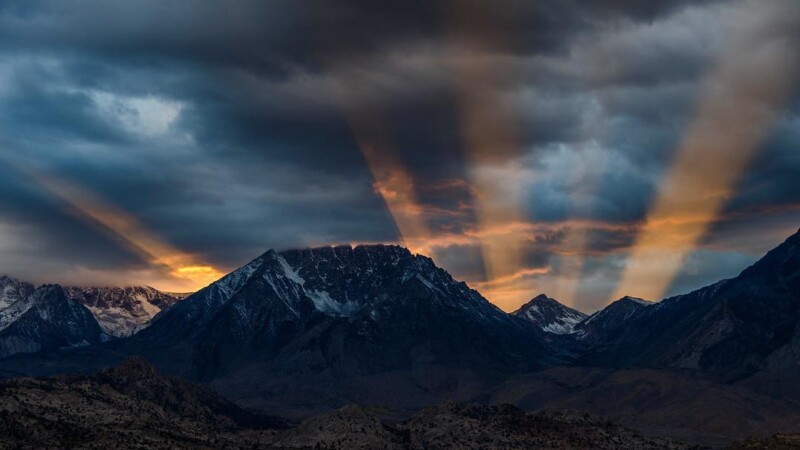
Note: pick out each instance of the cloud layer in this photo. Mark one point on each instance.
(545, 128)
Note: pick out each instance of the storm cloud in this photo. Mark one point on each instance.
(226, 129)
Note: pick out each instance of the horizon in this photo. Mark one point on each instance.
(186, 294)
(583, 151)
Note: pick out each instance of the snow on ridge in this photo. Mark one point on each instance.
(288, 271)
(326, 304)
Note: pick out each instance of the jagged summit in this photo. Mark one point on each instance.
(550, 315)
(122, 312)
(342, 314)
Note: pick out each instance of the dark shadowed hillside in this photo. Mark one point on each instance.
(133, 406)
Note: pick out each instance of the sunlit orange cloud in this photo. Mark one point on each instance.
(395, 185)
(742, 98)
(488, 128)
(179, 271)
(392, 181)
(506, 291)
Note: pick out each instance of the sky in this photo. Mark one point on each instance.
(586, 150)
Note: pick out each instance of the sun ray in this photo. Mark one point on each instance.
(489, 133)
(182, 271)
(742, 98)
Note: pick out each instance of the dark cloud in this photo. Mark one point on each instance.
(224, 128)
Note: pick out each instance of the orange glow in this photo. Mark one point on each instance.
(488, 128)
(396, 187)
(571, 267)
(392, 181)
(510, 291)
(184, 272)
(742, 99)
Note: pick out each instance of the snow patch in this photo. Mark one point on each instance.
(289, 271)
(326, 304)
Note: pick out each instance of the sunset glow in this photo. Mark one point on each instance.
(742, 98)
(179, 271)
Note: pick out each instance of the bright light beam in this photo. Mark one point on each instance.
(184, 271)
(743, 96)
(392, 181)
(488, 127)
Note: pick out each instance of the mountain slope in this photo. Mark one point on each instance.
(550, 315)
(50, 321)
(122, 312)
(13, 299)
(604, 324)
(336, 324)
(732, 328)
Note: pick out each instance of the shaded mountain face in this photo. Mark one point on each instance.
(550, 315)
(606, 323)
(733, 328)
(122, 312)
(337, 320)
(48, 320)
(687, 405)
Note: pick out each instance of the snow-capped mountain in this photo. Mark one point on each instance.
(345, 317)
(13, 300)
(550, 315)
(122, 312)
(377, 325)
(12, 290)
(49, 320)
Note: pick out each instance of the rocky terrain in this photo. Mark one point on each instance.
(777, 442)
(130, 406)
(133, 406)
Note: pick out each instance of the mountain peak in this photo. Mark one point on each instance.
(379, 299)
(613, 317)
(122, 312)
(550, 315)
(636, 300)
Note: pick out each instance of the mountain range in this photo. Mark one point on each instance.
(52, 317)
(303, 331)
